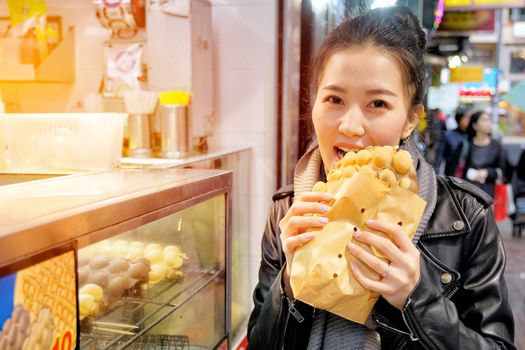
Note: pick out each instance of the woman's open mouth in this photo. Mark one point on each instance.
(340, 151)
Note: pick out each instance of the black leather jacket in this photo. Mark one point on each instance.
(460, 301)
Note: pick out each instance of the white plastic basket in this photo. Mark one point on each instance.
(60, 141)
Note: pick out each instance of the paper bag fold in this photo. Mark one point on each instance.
(321, 274)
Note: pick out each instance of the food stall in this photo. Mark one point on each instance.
(127, 258)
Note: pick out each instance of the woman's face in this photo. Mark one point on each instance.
(361, 101)
(464, 121)
(483, 125)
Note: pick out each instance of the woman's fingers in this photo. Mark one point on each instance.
(297, 224)
(385, 245)
(304, 222)
(299, 216)
(400, 273)
(302, 208)
(292, 243)
(315, 197)
(375, 286)
(395, 231)
(370, 260)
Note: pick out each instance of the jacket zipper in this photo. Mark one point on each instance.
(413, 337)
(452, 292)
(403, 344)
(408, 322)
(291, 308)
(284, 296)
(395, 330)
(291, 311)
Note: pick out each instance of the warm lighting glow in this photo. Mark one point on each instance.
(454, 61)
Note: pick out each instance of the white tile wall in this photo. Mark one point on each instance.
(247, 35)
(245, 57)
(240, 97)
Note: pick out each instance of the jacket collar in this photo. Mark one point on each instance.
(448, 218)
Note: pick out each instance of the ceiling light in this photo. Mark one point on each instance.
(320, 5)
(382, 3)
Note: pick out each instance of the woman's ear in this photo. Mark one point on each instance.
(414, 115)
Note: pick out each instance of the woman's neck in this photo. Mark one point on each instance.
(481, 140)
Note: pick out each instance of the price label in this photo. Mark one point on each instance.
(63, 343)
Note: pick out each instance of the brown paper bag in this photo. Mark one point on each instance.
(321, 274)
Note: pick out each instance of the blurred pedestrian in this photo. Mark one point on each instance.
(433, 134)
(450, 148)
(484, 157)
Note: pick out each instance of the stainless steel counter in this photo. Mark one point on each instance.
(38, 215)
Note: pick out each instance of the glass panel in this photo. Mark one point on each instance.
(241, 290)
(517, 61)
(241, 305)
(158, 286)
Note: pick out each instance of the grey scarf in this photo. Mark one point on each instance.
(330, 331)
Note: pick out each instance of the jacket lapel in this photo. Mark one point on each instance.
(448, 218)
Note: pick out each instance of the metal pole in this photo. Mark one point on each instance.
(495, 100)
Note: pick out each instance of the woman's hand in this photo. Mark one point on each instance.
(401, 275)
(295, 223)
(481, 176)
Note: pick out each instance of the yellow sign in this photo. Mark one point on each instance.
(474, 4)
(466, 75)
(452, 3)
(497, 2)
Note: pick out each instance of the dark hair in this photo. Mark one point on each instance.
(460, 113)
(395, 29)
(474, 117)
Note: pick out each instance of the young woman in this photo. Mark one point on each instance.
(442, 290)
(449, 149)
(484, 157)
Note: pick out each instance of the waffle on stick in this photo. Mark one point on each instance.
(374, 183)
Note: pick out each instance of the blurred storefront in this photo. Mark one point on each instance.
(478, 61)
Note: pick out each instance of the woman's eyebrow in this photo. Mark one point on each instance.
(380, 92)
(334, 87)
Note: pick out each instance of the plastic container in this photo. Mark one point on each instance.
(61, 141)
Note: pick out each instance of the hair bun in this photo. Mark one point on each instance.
(405, 18)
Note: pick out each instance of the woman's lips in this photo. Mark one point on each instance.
(340, 151)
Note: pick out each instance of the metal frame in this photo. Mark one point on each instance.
(44, 233)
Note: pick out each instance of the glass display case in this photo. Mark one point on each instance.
(238, 160)
(153, 251)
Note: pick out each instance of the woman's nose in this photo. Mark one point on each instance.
(351, 123)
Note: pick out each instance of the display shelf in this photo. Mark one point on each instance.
(118, 327)
(57, 67)
(162, 163)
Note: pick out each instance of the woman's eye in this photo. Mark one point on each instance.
(378, 104)
(334, 100)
